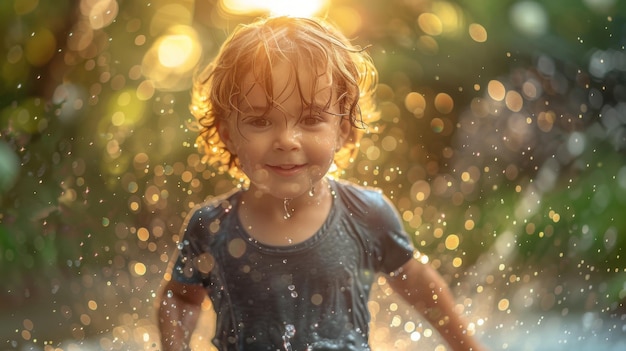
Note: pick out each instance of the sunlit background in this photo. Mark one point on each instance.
(502, 142)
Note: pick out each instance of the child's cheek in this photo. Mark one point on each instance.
(326, 142)
(252, 169)
(259, 175)
(317, 172)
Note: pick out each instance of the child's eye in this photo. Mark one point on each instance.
(258, 122)
(311, 120)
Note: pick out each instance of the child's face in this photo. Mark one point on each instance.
(286, 149)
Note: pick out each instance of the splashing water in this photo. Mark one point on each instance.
(290, 332)
(286, 208)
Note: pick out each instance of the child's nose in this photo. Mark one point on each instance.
(288, 138)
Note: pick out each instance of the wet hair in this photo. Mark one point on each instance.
(254, 49)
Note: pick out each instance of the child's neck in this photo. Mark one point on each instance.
(282, 222)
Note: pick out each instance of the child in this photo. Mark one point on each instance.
(288, 261)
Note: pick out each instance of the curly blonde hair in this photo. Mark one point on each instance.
(254, 48)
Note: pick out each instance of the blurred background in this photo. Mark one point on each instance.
(502, 142)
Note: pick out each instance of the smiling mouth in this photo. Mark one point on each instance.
(286, 169)
(286, 166)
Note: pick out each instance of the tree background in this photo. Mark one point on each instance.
(501, 141)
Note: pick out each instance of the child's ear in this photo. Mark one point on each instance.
(224, 132)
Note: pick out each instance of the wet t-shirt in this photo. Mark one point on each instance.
(308, 296)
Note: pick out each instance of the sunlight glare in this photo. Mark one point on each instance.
(275, 7)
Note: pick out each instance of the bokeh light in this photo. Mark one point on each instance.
(170, 62)
(530, 18)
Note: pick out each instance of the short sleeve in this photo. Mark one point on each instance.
(379, 225)
(394, 245)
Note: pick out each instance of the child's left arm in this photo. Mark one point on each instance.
(424, 288)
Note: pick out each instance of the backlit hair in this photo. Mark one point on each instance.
(254, 48)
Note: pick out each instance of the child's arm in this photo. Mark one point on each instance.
(179, 309)
(422, 286)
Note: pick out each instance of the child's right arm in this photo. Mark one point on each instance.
(179, 309)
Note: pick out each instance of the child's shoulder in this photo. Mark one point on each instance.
(367, 205)
(359, 196)
(347, 186)
(214, 207)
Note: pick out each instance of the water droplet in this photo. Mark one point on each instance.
(294, 293)
(290, 332)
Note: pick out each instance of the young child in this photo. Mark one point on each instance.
(288, 261)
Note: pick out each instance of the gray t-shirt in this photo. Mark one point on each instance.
(308, 296)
